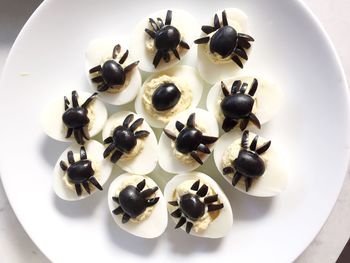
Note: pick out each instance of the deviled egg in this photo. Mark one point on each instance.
(166, 94)
(223, 45)
(74, 116)
(161, 39)
(187, 140)
(131, 143)
(137, 205)
(251, 164)
(81, 171)
(112, 71)
(198, 205)
(241, 100)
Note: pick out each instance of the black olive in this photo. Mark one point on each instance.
(191, 206)
(75, 117)
(80, 171)
(131, 201)
(188, 140)
(168, 37)
(224, 41)
(124, 139)
(113, 73)
(237, 106)
(249, 164)
(165, 97)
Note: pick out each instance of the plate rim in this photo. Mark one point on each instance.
(303, 6)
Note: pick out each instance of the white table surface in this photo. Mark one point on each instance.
(16, 246)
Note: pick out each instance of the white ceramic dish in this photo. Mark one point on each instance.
(313, 126)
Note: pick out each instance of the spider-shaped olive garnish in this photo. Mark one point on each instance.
(76, 118)
(190, 140)
(124, 138)
(226, 41)
(133, 201)
(165, 97)
(166, 38)
(111, 73)
(192, 207)
(237, 106)
(248, 163)
(80, 172)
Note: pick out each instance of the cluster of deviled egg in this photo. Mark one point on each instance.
(167, 101)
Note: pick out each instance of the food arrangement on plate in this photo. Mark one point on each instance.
(168, 100)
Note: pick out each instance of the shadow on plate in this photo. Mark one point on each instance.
(126, 241)
(183, 243)
(246, 207)
(51, 149)
(81, 208)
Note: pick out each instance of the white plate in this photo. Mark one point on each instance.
(313, 126)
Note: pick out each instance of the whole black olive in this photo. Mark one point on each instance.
(165, 97)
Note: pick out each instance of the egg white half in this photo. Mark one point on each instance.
(275, 178)
(100, 50)
(166, 157)
(51, 116)
(146, 160)
(212, 72)
(182, 20)
(151, 227)
(268, 98)
(218, 228)
(94, 151)
(187, 73)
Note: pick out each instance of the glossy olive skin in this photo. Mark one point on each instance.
(237, 106)
(224, 41)
(124, 139)
(191, 206)
(165, 97)
(112, 73)
(168, 37)
(131, 201)
(249, 164)
(80, 171)
(188, 140)
(75, 117)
